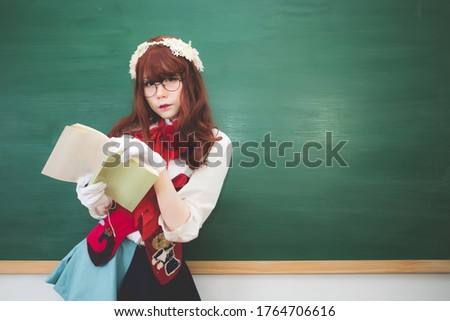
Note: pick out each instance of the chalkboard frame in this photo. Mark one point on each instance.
(353, 69)
(270, 267)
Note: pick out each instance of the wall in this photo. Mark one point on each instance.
(349, 287)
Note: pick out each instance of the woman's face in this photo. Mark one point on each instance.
(164, 96)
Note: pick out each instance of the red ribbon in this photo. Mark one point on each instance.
(165, 140)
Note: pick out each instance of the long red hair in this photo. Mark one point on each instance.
(194, 121)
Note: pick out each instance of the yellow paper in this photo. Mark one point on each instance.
(126, 183)
(79, 152)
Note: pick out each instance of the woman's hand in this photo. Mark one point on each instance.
(129, 147)
(93, 197)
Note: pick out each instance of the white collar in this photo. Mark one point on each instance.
(168, 121)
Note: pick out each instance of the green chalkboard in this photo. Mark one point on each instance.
(357, 91)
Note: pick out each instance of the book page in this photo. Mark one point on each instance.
(78, 152)
(126, 183)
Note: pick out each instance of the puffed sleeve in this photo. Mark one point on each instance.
(202, 191)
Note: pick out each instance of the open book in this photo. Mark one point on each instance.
(79, 152)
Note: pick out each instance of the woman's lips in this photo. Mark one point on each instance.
(164, 107)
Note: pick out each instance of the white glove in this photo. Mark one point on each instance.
(93, 197)
(130, 147)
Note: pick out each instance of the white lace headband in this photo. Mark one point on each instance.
(178, 48)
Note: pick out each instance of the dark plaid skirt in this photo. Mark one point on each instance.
(140, 284)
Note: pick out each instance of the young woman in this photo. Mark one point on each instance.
(138, 255)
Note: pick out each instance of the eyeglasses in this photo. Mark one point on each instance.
(170, 84)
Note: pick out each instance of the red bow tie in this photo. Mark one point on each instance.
(164, 139)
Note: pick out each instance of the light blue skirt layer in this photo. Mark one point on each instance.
(76, 278)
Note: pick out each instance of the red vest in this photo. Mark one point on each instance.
(164, 256)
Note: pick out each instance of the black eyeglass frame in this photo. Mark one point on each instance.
(155, 84)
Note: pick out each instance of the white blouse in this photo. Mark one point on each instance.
(201, 193)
